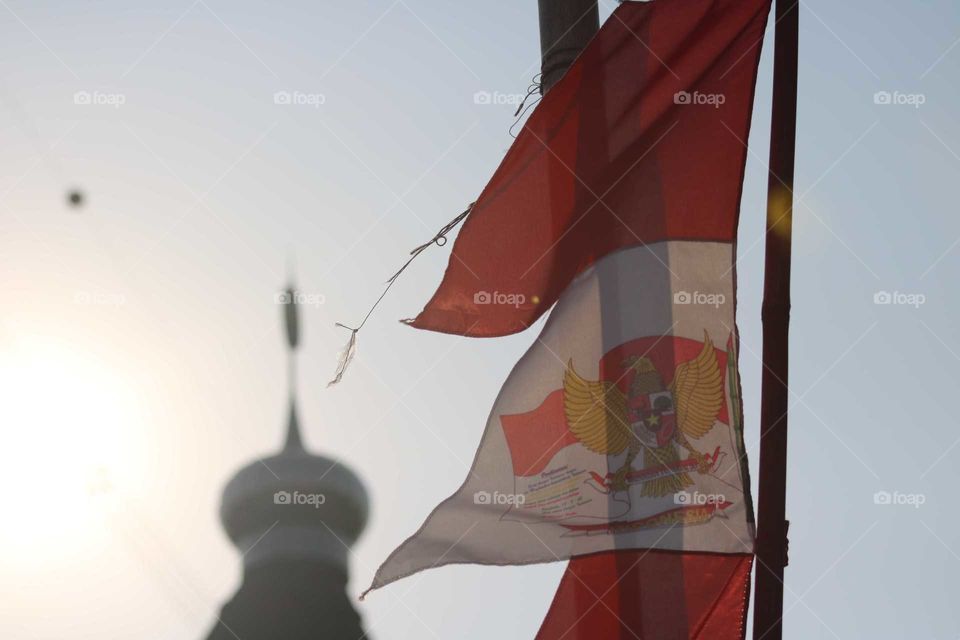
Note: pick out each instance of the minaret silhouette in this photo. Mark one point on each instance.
(293, 516)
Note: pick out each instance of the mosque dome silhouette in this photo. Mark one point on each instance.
(293, 516)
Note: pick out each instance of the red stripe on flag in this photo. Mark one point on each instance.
(536, 436)
(653, 595)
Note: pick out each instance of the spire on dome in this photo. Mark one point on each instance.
(303, 540)
(294, 441)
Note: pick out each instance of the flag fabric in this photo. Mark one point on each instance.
(653, 594)
(618, 429)
(643, 140)
(650, 595)
(617, 439)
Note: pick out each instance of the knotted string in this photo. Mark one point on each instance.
(440, 239)
(535, 86)
(350, 349)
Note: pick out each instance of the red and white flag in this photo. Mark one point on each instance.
(617, 438)
(618, 429)
(643, 140)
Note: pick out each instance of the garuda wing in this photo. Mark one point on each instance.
(596, 413)
(697, 389)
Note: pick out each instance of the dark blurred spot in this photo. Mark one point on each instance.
(75, 198)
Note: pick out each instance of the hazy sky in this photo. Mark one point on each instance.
(140, 345)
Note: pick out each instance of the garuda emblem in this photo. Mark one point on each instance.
(652, 418)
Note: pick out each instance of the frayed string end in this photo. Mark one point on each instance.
(350, 350)
(346, 356)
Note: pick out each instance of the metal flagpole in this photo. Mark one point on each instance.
(771, 519)
(566, 27)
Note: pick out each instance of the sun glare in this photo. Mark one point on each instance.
(67, 422)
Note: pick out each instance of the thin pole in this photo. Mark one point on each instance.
(566, 27)
(772, 523)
